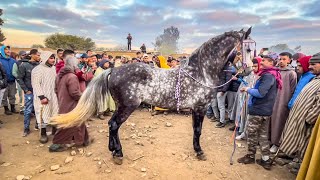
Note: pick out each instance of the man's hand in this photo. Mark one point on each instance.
(244, 89)
(234, 78)
(44, 101)
(28, 92)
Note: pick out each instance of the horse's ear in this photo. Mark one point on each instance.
(248, 33)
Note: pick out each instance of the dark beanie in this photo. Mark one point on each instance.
(102, 62)
(315, 58)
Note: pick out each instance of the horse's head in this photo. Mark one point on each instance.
(213, 55)
(244, 51)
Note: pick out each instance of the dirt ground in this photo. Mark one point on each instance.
(151, 151)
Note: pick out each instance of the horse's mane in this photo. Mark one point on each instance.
(196, 54)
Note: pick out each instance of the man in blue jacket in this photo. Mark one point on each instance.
(10, 93)
(261, 102)
(306, 77)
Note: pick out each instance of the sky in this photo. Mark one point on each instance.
(107, 22)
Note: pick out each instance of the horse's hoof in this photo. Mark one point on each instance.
(117, 160)
(200, 155)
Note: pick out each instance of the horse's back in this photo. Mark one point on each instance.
(140, 82)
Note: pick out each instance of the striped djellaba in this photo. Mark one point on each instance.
(301, 120)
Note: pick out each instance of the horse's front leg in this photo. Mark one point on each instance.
(119, 117)
(197, 120)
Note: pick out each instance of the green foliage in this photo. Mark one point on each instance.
(72, 42)
(2, 37)
(35, 46)
(167, 43)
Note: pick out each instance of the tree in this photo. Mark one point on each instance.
(100, 49)
(279, 48)
(119, 47)
(72, 42)
(2, 37)
(35, 46)
(167, 43)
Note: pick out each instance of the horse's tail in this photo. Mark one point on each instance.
(92, 100)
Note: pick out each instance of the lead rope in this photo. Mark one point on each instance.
(178, 85)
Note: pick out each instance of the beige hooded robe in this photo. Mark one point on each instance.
(43, 83)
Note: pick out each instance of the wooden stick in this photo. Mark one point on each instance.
(105, 163)
(138, 158)
(239, 175)
(41, 112)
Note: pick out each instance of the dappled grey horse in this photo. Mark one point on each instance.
(192, 86)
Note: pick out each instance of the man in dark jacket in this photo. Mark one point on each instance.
(232, 94)
(261, 102)
(143, 48)
(224, 77)
(3, 83)
(129, 37)
(24, 80)
(11, 91)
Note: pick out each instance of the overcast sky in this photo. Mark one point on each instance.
(108, 22)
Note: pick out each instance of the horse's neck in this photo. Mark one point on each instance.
(205, 72)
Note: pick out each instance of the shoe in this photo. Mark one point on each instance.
(21, 112)
(293, 165)
(13, 109)
(274, 149)
(44, 138)
(265, 164)
(165, 113)
(36, 127)
(100, 116)
(154, 113)
(241, 136)
(7, 111)
(26, 132)
(90, 141)
(107, 113)
(214, 119)
(294, 171)
(220, 125)
(56, 148)
(1, 122)
(232, 128)
(247, 159)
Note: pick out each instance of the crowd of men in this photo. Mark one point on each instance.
(275, 107)
(271, 104)
(49, 84)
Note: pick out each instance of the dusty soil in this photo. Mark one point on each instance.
(160, 153)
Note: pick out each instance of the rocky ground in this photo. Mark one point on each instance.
(155, 147)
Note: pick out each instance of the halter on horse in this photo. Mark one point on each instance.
(131, 84)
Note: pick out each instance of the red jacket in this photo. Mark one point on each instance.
(59, 66)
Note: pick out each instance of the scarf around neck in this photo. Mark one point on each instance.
(275, 72)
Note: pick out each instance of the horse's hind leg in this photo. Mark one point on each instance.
(197, 120)
(119, 117)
